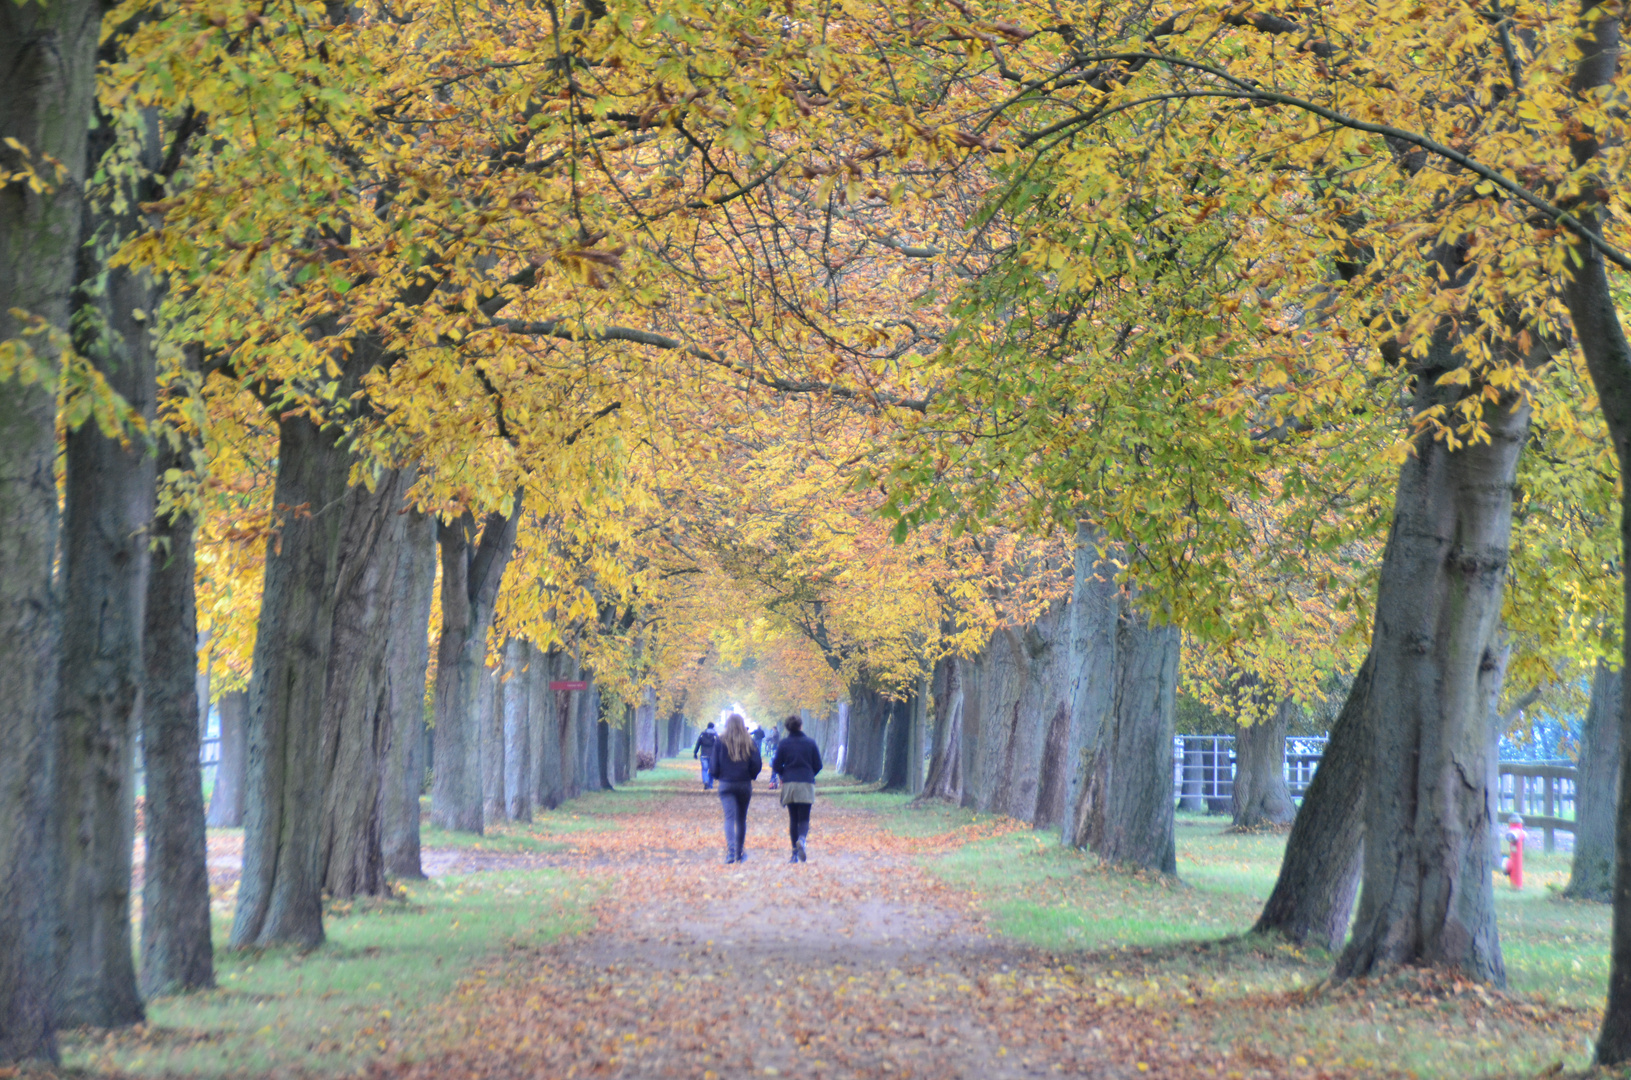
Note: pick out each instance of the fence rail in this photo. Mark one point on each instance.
(1203, 779)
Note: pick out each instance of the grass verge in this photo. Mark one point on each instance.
(370, 992)
(1156, 940)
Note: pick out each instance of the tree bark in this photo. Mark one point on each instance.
(603, 752)
(472, 568)
(177, 954)
(518, 730)
(357, 723)
(868, 723)
(227, 797)
(1129, 813)
(945, 780)
(1319, 874)
(1426, 895)
(1261, 797)
(108, 510)
(47, 92)
(407, 664)
(1597, 792)
(590, 777)
(548, 708)
(1095, 598)
(898, 763)
(280, 891)
(491, 716)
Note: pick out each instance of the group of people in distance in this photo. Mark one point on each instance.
(732, 760)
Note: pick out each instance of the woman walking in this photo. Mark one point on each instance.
(797, 761)
(735, 764)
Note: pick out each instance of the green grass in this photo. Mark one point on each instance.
(377, 980)
(1143, 935)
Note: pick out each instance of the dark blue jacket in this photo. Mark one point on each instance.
(705, 744)
(723, 768)
(797, 760)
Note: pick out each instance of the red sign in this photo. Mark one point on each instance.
(569, 684)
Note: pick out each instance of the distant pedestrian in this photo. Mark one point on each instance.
(758, 736)
(736, 764)
(796, 763)
(703, 751)
(773, 739)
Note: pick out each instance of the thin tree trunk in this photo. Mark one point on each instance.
(1319, 874)
(517, 730)
(357, 722)
(407, 664)
(47, 91)
(1129, 819)
(280, 890)
(1426, 895)
(603, 752)
(227, 797)
(471, 571)
(1261, 796)
(109, 503)
(1601, 336)
(177, 954)
(1597, 792)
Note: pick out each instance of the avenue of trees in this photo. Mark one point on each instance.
(973, 377)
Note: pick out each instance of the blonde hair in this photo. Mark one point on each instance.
(738, 744)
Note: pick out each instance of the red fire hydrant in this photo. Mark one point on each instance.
(1512, 858)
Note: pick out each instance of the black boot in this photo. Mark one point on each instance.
(795, 856)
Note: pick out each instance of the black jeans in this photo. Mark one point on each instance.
(734, 796)
(798, 820)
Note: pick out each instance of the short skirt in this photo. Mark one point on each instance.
(792, 793)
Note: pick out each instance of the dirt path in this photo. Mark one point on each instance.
(857, 963)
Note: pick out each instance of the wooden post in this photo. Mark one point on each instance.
(1551, 803)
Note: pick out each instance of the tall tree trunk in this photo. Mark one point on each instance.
(177, 954)
(472, 568)
(546, 706)
(1096, 596)
(1319, 874)
(1426, 895)
(1028, 704)
(357, 722)
(869, 718)
(898, 763)
(109, 503)
(280, 891)
(674, 738)
(227, 796)
(590, 777)
(517, 730)
(492, 747)
(1129, 818)
(1261, 797)
(1601, 336)
(1597, 792)
(945, 780)
(407, 664)
(47, 91)
(603, 752)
